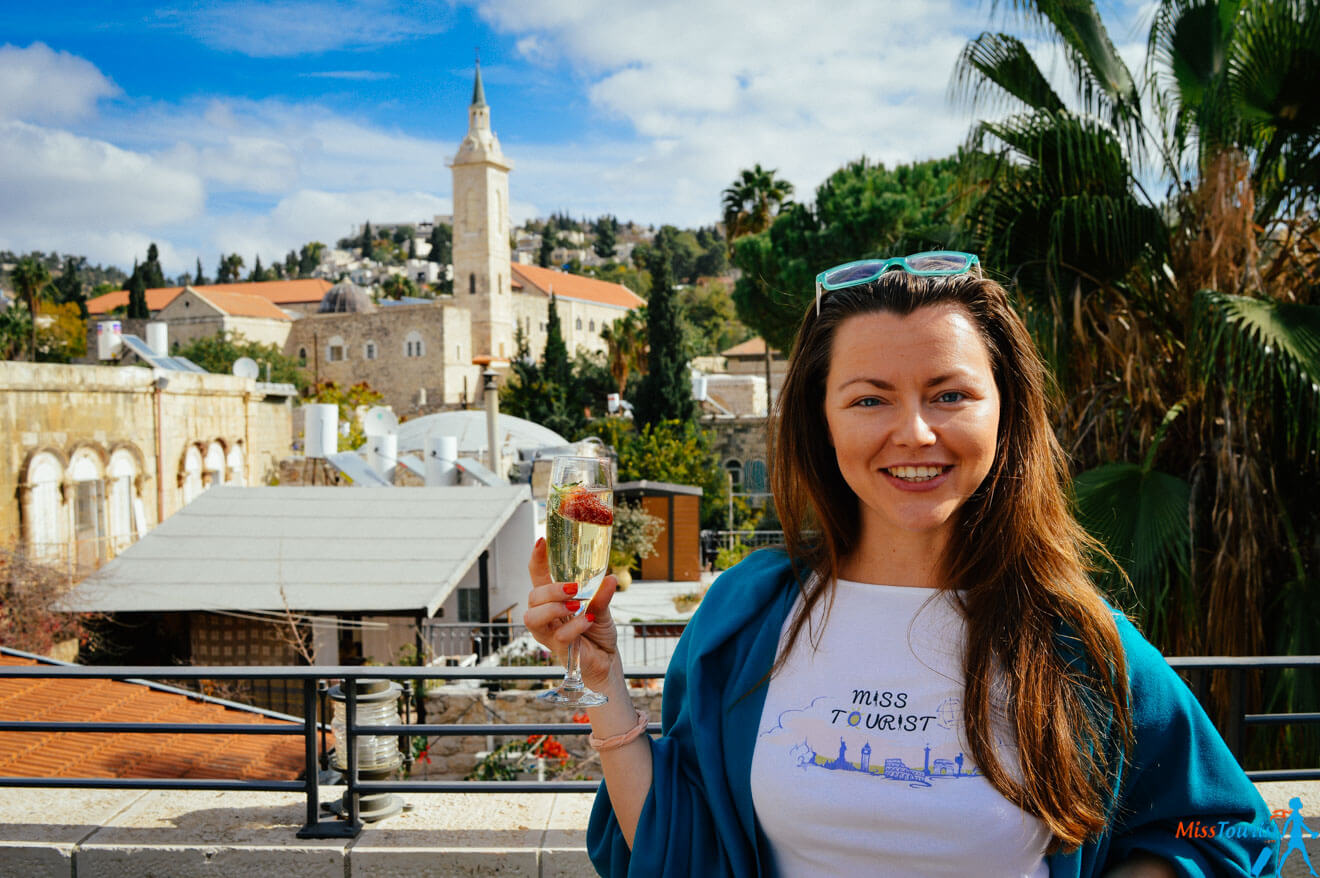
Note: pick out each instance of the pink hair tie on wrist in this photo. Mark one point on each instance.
(618, 741)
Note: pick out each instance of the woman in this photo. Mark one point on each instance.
(926, 681)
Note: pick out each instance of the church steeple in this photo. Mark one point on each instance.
(482, 283)
(478, 93)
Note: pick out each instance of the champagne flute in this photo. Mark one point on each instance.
(579, 519)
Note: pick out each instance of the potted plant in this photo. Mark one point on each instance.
(634, 536)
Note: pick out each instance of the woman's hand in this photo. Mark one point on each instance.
(550, 619)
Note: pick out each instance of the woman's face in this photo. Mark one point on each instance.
(913, 415)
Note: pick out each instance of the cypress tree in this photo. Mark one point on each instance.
(137, 296)
(199, 279)
(367, 240)
(666, 391)
(555, 366)
(152, 275)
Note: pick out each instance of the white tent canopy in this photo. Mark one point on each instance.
(319, 549)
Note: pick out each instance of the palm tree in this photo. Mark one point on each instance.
(30, 278)
(1183, 333)
(626, 340)
(751, 202)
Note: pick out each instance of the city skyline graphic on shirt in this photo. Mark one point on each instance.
(891, 767)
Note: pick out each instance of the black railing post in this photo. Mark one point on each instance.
(350, 732)
(310, 762)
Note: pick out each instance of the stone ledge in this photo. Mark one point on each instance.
(187, 834)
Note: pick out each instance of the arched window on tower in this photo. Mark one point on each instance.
(579, 323)
(89, 525)
(472, 284)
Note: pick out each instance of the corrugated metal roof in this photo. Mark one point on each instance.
(328, 549)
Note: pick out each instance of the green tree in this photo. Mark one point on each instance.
(309, 257)
(290, 265)
(137, 297)
(670, 451)
(68, 287)
(752, 200)
(710, 319)
(714, 258)
(368, 242)
(555, 359)
(442, 244)
(152, 275)
(199, 279)
(1184, 334)
(218, 353)
(605, 243)
(30, 278)
(258, 274)
(625, 339)
(548, 244)
(861, 210)
(15, 330)
(396, 286)
(63, 336)
(666, 392)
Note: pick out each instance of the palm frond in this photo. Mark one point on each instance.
(1141, 517)
(1002, 61)
(1268, 354)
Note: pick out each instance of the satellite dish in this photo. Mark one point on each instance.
(380, 421)
(246, 367)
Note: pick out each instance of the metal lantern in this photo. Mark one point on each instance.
(378, 756)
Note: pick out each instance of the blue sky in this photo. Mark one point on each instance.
(253, 127)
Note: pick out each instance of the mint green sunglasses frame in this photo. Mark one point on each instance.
(970, 262)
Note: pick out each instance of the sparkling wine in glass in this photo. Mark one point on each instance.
(579, 518)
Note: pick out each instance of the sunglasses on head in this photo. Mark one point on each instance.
(932, 263)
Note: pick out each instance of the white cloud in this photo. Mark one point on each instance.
(286, 28)
(39, 84)
(81, 195)
(714, 88)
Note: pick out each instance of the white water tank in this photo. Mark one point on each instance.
(108, 342)
(158, 338)
(441, 457)
(321, 430)
(383, 453)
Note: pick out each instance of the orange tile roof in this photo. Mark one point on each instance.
(753, 347)
(281, 292)
(242, 304)
(67, 754)
(573, 286)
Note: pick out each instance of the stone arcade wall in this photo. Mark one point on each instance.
(65, 410)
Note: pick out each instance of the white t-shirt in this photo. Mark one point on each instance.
(861, 766)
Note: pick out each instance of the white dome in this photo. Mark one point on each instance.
(470, 428)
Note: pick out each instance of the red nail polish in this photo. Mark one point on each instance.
(591, 617)
(572, 606)
(570, 588)
(540, 541)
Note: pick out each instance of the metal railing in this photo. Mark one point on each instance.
(646, 644)
(311, 730)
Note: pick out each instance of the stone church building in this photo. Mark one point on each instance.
(426, 355)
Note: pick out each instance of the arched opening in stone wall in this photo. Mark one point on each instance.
(44, 513)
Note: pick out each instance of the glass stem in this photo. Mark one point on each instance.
(573, 679)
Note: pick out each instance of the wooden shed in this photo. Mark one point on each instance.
(678, 555)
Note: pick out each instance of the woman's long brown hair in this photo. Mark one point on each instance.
(1042, 650)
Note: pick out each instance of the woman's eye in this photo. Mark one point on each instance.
(951, 396)
(867, 402)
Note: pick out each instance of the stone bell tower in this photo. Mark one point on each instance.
(481, 232)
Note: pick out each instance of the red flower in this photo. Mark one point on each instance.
(581, 717)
